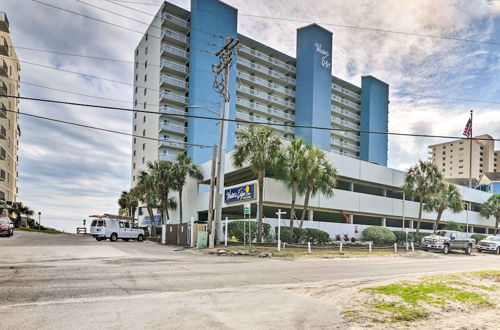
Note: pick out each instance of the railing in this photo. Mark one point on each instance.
(344, 153)
(247, 117)
(265, 96)
(173, 128)
(173, 143)
(174, 82)
(174, 35)
(176, 20)
(346, 134)
(173, 97)
(171, 111)
(4, 68)
(174, 51)
(4, 47)
(267, 71)
(167, 156)
(262, 108)
(344, 144)
(346, 113)
(267, 58)
(174, 66)
(345, 123)
(346, 91)
(265, 83)
(3, 88)
(346, 102)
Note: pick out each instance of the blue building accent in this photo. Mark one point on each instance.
(209, 20)
(374, 117)
(314, 84)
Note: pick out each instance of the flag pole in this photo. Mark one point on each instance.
(470, 151)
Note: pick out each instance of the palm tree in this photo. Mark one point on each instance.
(163, 181)
(491, 208)
(447, 197)
(128, 202)
(145, 191)
(19, 209)
(320, 177)
(259, 147)
(182, 169)
(422, 181)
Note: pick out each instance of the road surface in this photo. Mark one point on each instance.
(64, 281)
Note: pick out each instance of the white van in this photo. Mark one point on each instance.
(101, 229)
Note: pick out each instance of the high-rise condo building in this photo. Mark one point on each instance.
(9, 128)
(173, 76)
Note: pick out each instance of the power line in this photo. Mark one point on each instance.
(245, 121)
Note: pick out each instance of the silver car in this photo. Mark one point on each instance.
(490, 244)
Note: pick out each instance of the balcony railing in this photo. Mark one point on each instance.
(173, 143)
(4, 47)
(344, 153)
(4, 22)
(174, 51)
(173, 97)
(3, 88)
(347, 134)
(346, 91)
(262, 108)
(176, 20)
(167, 156)
(4, 68)
(174, 66)
(267, 71)
(247, 117)
(345, 123)
(179, 114)
(265, 96)
(346, 113)
(346, 102)
(174, 82)
(3, 110)
(345, 144)
(265, 83)
(173, 128)
(166, 33)
(267, 58)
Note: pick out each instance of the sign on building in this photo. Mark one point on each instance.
(240, 193)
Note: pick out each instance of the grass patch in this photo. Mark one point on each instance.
(492, 275)
(46, 230)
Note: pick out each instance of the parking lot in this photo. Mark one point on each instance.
(66, 281)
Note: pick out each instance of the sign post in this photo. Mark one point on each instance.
(279, 213)
(247, 212)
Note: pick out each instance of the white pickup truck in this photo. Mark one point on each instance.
(489, 244)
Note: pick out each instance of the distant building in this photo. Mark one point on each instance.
(173, 71)
(9, 127)
(453, 158)
(490, 182)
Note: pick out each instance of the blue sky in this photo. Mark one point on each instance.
(68, 173)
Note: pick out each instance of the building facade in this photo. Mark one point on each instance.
(454, 158)
(9, 127)
(173, 76)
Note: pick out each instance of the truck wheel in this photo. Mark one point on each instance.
(497, 251)
(425, 250)
(479, 250)
(469, 249)
(113, 237)
(140, 238)
(446, 249)
(98, 239)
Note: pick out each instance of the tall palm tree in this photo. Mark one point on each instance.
(259, 147)
(320, 177)
(163, 180)
(422, 181)
(128, 202)
(491, 208)
(19, 209)
(446, 197)
(182, 169)
(145, 191)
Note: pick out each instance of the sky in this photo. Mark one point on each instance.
(68, 173)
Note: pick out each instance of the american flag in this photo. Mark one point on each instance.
(468, 129)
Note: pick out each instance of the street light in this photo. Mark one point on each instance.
(39, 220)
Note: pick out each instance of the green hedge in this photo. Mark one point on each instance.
(235, 228)
(316, 236)
(478, 237)
(401, 236)
(301, 235)
(379, 235)
(298, 234)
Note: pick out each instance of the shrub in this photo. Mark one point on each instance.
(316, 236)
(478, 237)
(379, 235)
(454, 226)
(235, 228)
(401, 236)
(299, 234)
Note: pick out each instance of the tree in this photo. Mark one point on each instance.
(19, 209)
(182, 169)
(259, 147)
(128, 202)
(162, 173)
(422, 181)
(320, 177)
(491, 208)
(145, 190)
(446, 197)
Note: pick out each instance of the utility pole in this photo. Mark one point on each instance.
(211, 196)
(221, 81)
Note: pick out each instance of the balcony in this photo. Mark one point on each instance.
(345, 153)
(346, 102)
(3, 88)
(4, 47)
(173, 128)
(345, 123)
(169, 96)
(173, 143)
(4, 22)
(266, 58)
(264, 83)
(167, 156)
(347, 135)
(264, 96)
(174, 36)
(174, 20)
(3, 110)
(4, 68)
(266, 110)
(174, 67)
(266, 71)
(179, 114)
(170, 81)
(346, 113)
(176, 52)
(344, 144)
(346, 91)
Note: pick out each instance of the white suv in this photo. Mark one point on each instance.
(101, 229)
(490, 243)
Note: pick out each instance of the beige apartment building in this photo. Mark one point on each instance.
(9, 127)
(453, 158)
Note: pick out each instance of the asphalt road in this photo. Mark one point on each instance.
(65, 281)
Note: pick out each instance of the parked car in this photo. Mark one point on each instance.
(490, 244)
(6, 227)
(447, 241)
(102, 229)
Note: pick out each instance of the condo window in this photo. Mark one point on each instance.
(136, 89)
(2, 175)
(135, 102)
(136, 77)
(143, 160)
(137, 52)
(146, 37)
(145, 91)
(135, 115)
(460, 172)
(135, 140)
(133, 178)
(461, 148)
(135, 128)
(461, 166)
(146, 51)
(144, 146)
(134, 167)
(143, 132)
(144, 105)
(144, 119)
(145, 64)
(134, 153)
(136, 64)
(145, 77)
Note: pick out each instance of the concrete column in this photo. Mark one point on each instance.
(487, 231)
(471, 228)
(411, 224)
(351, 186)
(384, 222)
(384, 192)
(351, 218)
(311, 215)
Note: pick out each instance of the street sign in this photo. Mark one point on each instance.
(246, 209)
(240, 193)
